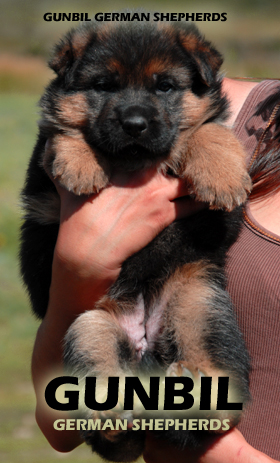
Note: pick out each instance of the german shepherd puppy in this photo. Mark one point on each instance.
(132, 96)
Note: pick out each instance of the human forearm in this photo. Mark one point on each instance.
(66, 302)
(47, 364)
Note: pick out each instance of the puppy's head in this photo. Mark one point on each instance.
(131, 88)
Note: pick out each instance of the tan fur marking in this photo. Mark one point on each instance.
(96, 333)
(207, 369)
(71, 160)
(190, 42)
(156, 66)
(105, 31)
(115, 66)
(212, 161)
(194, 45)
(215, 167)
(63, 50)
(215, 62)
(60, 59)
(189, 294)
(186, 314)
(80, 41)
(195, 110)
(200, 51)
(73, 48)
(73, 110)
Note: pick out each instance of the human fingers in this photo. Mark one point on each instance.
(151, 178)
(175, 190)
(128, 216)
(148, 183)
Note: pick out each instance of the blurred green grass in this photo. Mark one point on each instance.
(17, 128)
(20, 438)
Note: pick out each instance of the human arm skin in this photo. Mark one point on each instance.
(97, 234)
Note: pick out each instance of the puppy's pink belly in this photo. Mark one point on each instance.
(135, 329)
(141, 332)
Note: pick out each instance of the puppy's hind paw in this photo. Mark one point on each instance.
(184, 368)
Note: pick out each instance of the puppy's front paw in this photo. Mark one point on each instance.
(215, 167)
(80, 179)
(74, 164)
(222, 193)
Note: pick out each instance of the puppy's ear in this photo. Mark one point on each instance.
(206, 58)
(69, 50)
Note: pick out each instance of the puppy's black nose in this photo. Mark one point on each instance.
(135, 125)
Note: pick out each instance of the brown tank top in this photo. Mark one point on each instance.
(253, 270)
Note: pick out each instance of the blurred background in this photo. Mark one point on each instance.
(250, 42)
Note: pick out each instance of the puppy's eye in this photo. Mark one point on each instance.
(164, 86)
(105, 86)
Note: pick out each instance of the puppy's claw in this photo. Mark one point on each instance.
(229, 199)
(81, 183)
(185, 369)
(75, 165)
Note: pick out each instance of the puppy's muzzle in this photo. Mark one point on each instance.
(135, 120)
(135, 125)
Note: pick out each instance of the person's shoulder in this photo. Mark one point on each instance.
(237, 92)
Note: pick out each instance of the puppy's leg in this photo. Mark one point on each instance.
(94, 342)
(213, 162)
(96, 345)
(75, 164)
(199, 321)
